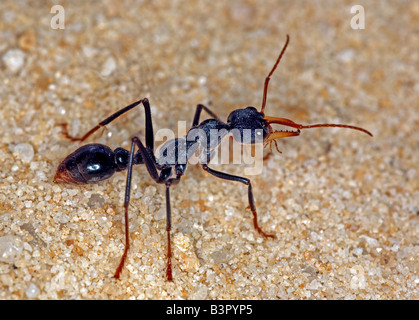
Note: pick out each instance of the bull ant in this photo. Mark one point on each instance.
(93, 163)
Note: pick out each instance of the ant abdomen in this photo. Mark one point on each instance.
(89, 164)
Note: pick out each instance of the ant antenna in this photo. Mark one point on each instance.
(336, 125)
(286, 122)
(290, 123)
(265, 89)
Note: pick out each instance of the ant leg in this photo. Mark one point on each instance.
(148, 123)
(148, 160)
(268, 78)
(169, 227)
(198, 111)
(267, 156)
(245, 181)
(153, 173)
(126, 205)
(152, 170)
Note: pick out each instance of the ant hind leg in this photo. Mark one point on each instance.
(198, 111)
(103, 123)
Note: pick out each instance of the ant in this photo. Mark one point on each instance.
(93, 163)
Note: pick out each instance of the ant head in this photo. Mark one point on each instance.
(88, 164)
(248, 125)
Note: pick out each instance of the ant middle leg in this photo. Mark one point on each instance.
(173, 181)
(162, 178)
(153, 173)
(227, 176)
(126, 205)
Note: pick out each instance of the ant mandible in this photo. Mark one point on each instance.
(96, 162)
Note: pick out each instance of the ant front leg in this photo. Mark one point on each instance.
(247, 182)
(198, 111)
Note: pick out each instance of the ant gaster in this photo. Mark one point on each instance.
(96, 162)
